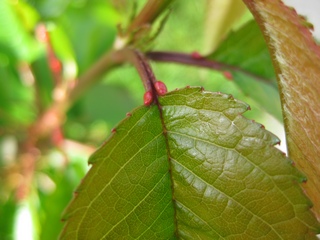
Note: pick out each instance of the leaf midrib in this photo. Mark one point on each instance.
(101, 165)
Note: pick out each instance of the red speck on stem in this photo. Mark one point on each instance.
(55, 65)
(129, 114)
(196, 55)
(147, 98)
(57, 136)
(160, 87)
(228, 75)
(114, 130)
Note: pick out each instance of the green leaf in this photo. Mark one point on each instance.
(50, 8)
(297, 62)
(15, 97)
(247, 54)
(88, 26)
(197, 169)
(247, 49)
(8, 209)
(14, 34)
(44, 81)
(264, 94)
(52, 201)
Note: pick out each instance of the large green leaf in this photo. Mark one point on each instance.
(196, 169)
(297, 62)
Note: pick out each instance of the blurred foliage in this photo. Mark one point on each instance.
(80, 32)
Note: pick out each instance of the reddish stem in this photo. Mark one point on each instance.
(190, 59)
(148, 14)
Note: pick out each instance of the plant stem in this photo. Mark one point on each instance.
(53, 117)
(188, 59)
(148, 14)
(107, 62)
(144, 69)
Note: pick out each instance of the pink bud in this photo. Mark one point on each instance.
(160, 87)
(147, 98)
(196, 55)
(228, 75)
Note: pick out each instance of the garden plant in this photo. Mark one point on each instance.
(164, 97)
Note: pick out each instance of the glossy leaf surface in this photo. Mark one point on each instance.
(196, 169)
(297, 60)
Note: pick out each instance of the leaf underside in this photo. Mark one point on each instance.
(296, 57)
(191, 167)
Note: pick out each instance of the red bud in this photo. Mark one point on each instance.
(147, 98)
(196, 55)
(160, 87)
(228, 75)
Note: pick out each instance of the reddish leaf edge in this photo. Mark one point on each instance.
(300, 154)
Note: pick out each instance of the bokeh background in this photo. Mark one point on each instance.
(80, 31)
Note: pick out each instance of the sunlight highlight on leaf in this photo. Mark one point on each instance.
(197, 169)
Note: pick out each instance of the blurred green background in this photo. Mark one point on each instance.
(80, 32)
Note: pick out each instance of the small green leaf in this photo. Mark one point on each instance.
(252, 70)
(44, 81)
(247, 49)
(191, 167)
